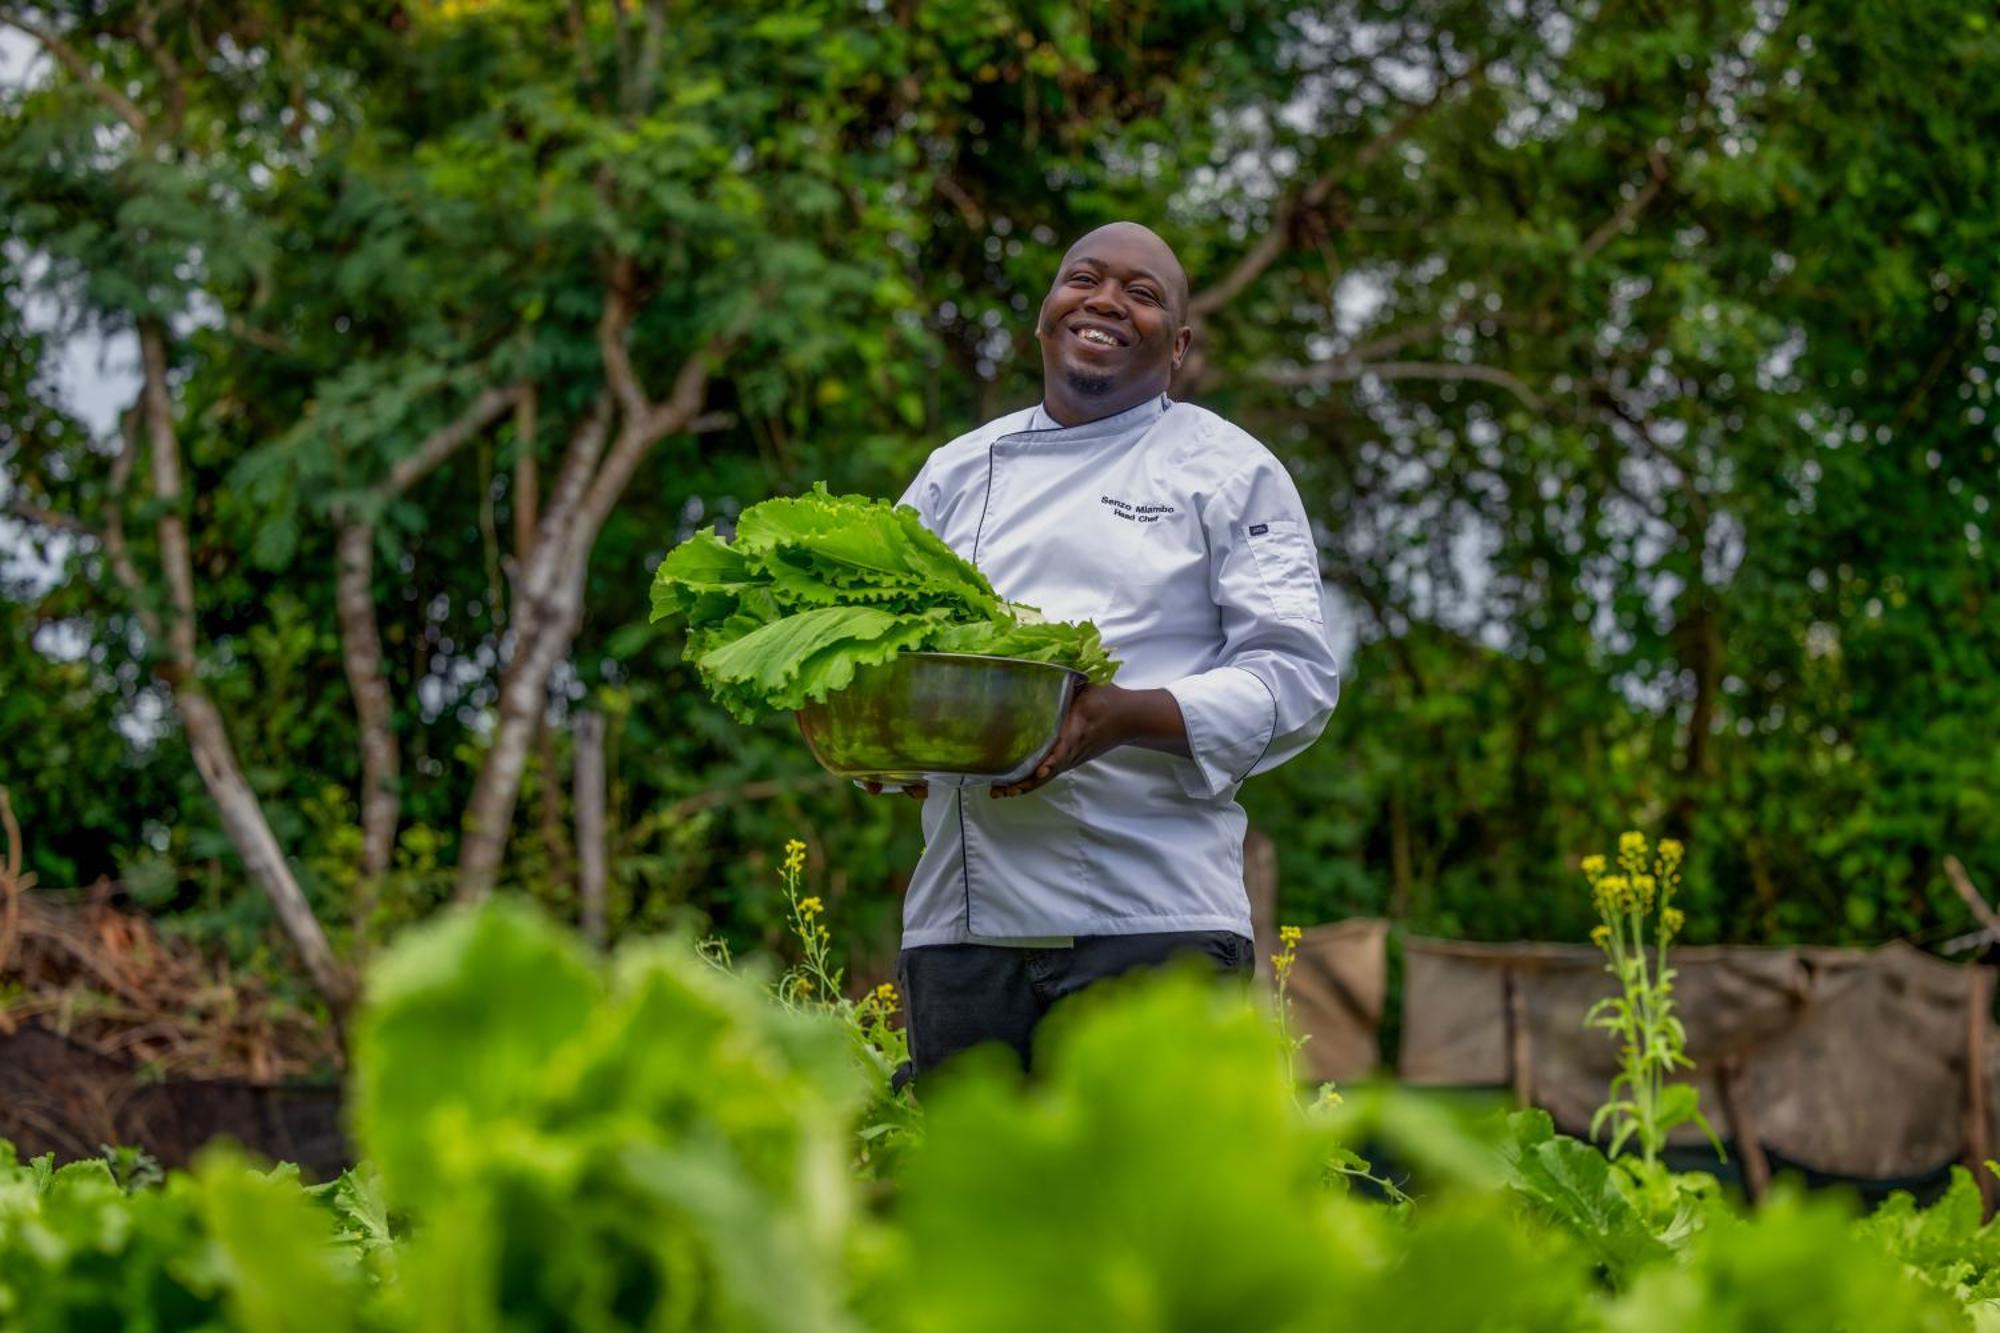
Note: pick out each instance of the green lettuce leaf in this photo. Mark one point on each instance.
(816, 586)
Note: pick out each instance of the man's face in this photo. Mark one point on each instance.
(1111, 326)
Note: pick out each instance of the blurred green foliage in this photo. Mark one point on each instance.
(1635, 363)
(557, 1141)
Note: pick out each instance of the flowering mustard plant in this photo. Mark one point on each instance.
(815, 973)
(1281, 972)
(1343, 1166)
(882, 1047)
(1642, 1105)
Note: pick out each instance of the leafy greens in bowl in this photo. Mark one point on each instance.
(813, 587)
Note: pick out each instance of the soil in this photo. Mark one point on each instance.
(59, 1096)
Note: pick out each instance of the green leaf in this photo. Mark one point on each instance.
(816, 587)
(273, 1251)
(1571, 1183)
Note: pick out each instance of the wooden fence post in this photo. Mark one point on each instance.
(1520, 1052)
(1978, 1137)
(587, 791)
(1742, 1120)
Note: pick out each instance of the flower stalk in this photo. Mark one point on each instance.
(1644, 1104)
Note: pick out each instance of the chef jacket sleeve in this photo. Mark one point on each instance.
(920, 496)
(1274, 682)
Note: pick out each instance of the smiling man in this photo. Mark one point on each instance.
(1185, 541)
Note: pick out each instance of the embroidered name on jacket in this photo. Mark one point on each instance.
(1137, 513)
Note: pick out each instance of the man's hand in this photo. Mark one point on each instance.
(1102, 718)
(914, 790)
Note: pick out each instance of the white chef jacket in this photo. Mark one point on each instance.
(1185, 541)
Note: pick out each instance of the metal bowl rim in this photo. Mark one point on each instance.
(985, 657)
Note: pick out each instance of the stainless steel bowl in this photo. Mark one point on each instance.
(923, 716)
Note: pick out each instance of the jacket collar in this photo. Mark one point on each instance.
(1041, 429)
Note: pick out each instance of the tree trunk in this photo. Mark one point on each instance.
(555, 839)
(361, 656)
(1702, 650)
(361, 638)
(587, 790)
(548, 608)
(542, 635)
(214, 756)
(243, 820)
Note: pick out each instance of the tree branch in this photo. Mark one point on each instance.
(586, 446)
(442, 443)
(612, 326)
(1274, 242)
(115, 548)
(1636, 422)
(1629, 211)
(1954, 870)
(527, 495)
(361, 639)
(256, 337)
(621, 57)
(49, 518)
(72, 60)
(1321, 374)
(176, 560)
(968, 208)
(1416, 333)
(680, 408)
(646, 78)
(579, 39)
(548, 606)
(1277, 238)
(169, 67)
(361, 660)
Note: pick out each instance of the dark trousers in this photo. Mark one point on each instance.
(963, 995)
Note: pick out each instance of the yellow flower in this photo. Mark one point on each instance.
(885, 995)
(1671, 853)
(1613, 895)
(811, 907)
(1643, 888)
(1671, 922)
(1632, 851)
(1290, 934)
(1593, 866)
(805, 985)
(795, 857)
(1601, 937)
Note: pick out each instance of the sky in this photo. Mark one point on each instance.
(96, 380)
(94, 377)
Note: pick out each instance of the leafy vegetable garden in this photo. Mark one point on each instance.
(666, 1140)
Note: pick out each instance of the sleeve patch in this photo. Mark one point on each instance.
(1289, 568)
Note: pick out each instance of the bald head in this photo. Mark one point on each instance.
(1113, 327)
(1164, 261)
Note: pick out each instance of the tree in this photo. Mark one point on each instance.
(1636, 363)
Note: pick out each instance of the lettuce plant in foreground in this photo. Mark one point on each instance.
(645, 1144)
(815, 587)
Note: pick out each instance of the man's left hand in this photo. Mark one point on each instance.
(1102, 718)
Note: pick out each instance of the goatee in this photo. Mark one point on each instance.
(1085, 383)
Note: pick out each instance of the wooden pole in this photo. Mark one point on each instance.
(1742, 1119)
(587, 791)
(12, 881)
(1260, 883)
(1978, 1136)
(1520, 1054)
